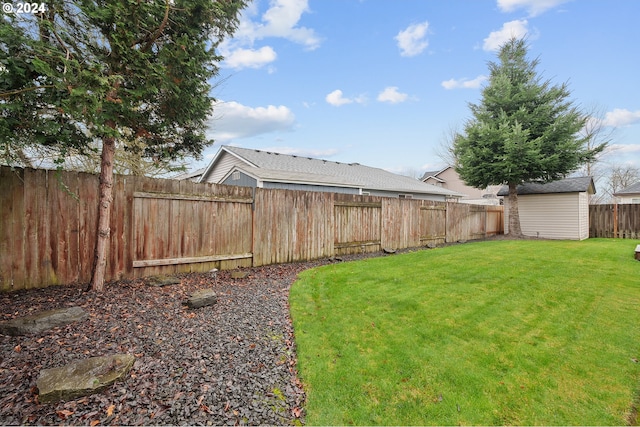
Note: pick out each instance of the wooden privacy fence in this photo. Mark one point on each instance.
(48, 226)
(620, 221)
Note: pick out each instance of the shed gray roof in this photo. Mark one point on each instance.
(288, 168)
(567, 185)
(632, 189)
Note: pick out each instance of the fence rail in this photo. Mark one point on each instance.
(48, 226)
(618, 221)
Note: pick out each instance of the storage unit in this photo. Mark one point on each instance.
(555, 210)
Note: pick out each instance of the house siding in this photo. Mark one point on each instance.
(552, 216)
(310, 187)
(243, 181)
(453, 182)
(225, 163)
(396, 195)
(627, 200)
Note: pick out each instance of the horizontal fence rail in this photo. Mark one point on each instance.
(48, 226)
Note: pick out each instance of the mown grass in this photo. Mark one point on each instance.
(492, 333)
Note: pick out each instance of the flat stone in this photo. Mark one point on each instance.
(42, 321)
(82, 377)
(161, 281)
(431, 245)
(201, 298)
(389, 251)
(237, 274)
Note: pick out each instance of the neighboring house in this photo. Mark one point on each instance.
(193, 176)
(628, 195)
(448, 178)
(555, 210)
(263, 169)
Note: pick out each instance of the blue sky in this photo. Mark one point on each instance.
(383, 82)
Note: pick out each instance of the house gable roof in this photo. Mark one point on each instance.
(434, 174)
(632, 189)
(567, 185)
(276, 167)
(190, 175)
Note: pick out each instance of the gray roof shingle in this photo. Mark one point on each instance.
(567, 185)
(632, 189)
(285, 167)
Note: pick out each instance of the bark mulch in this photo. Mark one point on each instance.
(226, 364)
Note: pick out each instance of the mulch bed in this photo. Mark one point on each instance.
(226, 364)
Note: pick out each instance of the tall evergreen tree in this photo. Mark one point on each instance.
(84, 70)
(524, 130)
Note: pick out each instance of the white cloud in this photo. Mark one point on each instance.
(280, 20)
(413, 40)
(621, 117)
(496, 39)
(250, 58)
(391, 94)
(464, 83)
(232, 120)
(533, 7)
(336, 98)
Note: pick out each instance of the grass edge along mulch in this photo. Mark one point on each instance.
(498, 332)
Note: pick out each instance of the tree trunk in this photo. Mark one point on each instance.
(104, 213)
(514, 213)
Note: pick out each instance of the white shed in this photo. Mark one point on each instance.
(555, 210)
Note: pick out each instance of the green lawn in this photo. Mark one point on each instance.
(493, 333)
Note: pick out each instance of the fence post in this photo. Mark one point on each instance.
(615, 220)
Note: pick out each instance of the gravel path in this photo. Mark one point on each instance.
(230, 363)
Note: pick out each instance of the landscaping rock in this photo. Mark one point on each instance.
(82, 377)
(42, 321)
(389, 251)
(431, 245)
(161, 281)
(201, 298)
(239, 274)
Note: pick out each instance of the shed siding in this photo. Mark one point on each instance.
(551, 216)
(583, 202)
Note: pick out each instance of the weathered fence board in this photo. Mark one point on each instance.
(291, 226)
(495, 220)
(170, 227)
(400, 223)
(433, 222)
(618, 221)
(48, 226)
(357, 224)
